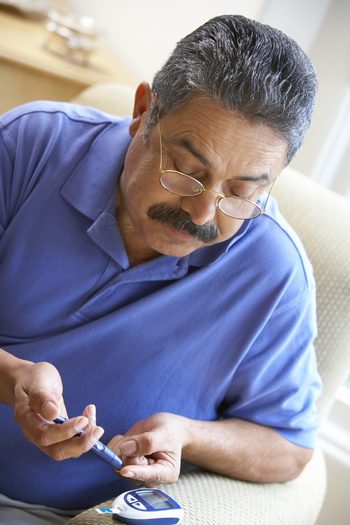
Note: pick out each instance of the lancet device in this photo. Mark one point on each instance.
(99, 449)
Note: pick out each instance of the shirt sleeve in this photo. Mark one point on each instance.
(277, 383)
(6, 169)
(37, 138)
(26, 139)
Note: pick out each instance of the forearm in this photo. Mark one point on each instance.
(153, 448)
(10, 370)
(243, 450)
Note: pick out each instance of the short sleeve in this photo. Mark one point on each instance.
(6, 170)
(277, 383)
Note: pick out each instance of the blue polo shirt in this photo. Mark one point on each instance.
(226, 331)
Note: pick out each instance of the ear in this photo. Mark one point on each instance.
(143, 97)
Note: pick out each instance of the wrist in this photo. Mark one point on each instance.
(187, 433)
(198, 441)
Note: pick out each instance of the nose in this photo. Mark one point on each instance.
(202, 208)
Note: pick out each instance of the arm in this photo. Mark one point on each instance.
(35, 392)
(233, 447)
(245, 450)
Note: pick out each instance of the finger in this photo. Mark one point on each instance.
(43, 433)
(41, 390)
(151, 474)
(132, 481)
(131, 448)
(145, 444)
(130, 461)
(74, 447)
(114, 444)
(41, 401)
(50, 409)
(90, 414)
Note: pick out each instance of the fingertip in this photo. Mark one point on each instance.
(129, 448)
(91, 411)
(81, 423)
(49, 410)
(98, 433)
(128, 474)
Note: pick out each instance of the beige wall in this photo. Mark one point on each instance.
(143, 32)
(326, 153)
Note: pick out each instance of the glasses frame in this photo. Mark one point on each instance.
(220, 197)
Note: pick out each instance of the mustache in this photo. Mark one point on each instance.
(181, 220)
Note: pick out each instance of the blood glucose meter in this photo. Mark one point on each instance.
(145, 507)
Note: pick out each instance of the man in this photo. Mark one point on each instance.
(156, 280)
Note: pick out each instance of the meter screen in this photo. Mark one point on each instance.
(156, 500)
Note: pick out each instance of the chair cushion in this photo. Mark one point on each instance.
(211, 499)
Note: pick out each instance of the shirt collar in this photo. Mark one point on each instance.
(91, 184)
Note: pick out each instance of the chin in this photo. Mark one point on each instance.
(178, 250)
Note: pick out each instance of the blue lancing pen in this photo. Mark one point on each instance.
(99, 449)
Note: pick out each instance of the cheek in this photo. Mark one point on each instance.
(143, 190)
(140, 180)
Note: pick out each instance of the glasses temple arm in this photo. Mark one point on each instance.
(160, 135)
(268, 195)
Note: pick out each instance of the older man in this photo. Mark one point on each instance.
(156, 280)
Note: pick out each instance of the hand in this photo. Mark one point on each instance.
(151, 449)
(39, 400)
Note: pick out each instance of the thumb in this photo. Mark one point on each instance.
(43, 389)
(130, 448)
(143, 444)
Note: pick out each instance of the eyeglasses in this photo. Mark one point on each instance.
(184, 185)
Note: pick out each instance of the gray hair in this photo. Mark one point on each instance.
(245, 66)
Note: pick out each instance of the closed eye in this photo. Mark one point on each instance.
(240, 191)
(176, 168)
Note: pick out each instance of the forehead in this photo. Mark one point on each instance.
(217, 138)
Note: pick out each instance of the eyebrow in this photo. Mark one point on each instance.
(186, 144)
(259, 178)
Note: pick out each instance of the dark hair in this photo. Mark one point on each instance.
(247, 67)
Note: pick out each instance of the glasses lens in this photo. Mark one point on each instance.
(180, 184)
(239, 208)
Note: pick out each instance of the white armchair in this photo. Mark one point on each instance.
(322, 220)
